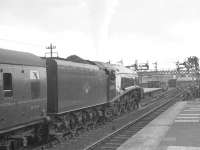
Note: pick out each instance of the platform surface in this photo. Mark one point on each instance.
(178, 128)
(147, 90)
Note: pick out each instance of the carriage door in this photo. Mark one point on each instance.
(35, 84)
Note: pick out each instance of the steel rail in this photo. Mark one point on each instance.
(131, 123)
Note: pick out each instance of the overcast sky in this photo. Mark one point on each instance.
(155, 30)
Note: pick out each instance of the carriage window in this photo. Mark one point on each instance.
(112, 75)
(7, 84)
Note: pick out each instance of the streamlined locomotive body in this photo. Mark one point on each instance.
(125, 78)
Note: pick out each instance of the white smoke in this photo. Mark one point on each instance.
(101, 13)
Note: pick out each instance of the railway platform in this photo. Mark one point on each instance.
(178, 128)
(149, 90)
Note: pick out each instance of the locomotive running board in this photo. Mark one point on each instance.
(125, 92)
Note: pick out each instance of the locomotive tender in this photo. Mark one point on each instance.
(39, 97)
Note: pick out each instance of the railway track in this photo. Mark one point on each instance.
(103, 132)
(115, 139)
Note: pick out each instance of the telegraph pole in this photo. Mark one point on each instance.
(51, 47)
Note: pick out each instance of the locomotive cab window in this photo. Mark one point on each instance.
(7, 85)
(112, 75)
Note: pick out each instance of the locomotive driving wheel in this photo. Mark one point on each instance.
(41, 133)
(116, 106)
(108, 113)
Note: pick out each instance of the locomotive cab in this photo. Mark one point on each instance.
(111, 84)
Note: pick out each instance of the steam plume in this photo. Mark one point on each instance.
(101, 12)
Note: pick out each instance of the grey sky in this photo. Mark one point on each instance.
(156, 30)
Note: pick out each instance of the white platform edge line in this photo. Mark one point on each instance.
(189, 114)
(187, 117)
(186, 120)
(182, 148)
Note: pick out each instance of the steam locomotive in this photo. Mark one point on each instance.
(43, 97)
